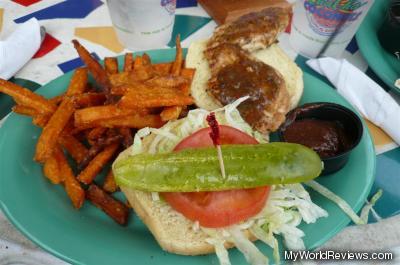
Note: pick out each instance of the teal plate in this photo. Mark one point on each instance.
(384, 64)
(43, 212)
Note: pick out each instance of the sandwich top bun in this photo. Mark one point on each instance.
(273, 56)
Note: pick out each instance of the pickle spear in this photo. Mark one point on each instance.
(246, 166)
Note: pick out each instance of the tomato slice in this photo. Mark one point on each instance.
(217, 208)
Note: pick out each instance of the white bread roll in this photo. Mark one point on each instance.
(273, 56)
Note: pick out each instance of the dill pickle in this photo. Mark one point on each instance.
(246, 166)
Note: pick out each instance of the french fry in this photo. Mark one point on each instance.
(155, 97)
(73, 188)
(114, 208)
(123, 78)
(111, 65)
(26, 97)
(167, 81)
(142, 69)
(120, 90)
(138, 62)
(96, 133)
(94, 66)
(170, 113)
(127, 136)
(24, 110)
(56, 100)
(133, 121)
(91, 115)
(94, 167)
(185, 89)
(162, 68)
(78, 82)
(74, 147)
(128, 62)
(110, 138)
(146, 59)
(41, 120)
(188, 73)
(109, 184)
(90, 99)
(53, 128)
(51, 168)
(177, 65)
(123, 89)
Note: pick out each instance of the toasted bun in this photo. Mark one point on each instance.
(173, 232)
(273, 56)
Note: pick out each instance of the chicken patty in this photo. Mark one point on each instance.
(235, 73)
(241, 76)
(253, 31)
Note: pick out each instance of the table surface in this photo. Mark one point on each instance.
(89, 22)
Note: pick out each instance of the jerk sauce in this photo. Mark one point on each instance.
(327, 138)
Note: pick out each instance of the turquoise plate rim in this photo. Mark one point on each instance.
(340, 225)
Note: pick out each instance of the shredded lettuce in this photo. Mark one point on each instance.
(155, 196)
(286, 207)
(166, 138)
(336, 199)
(369, 206)
(358, 220)
(252, 254)
(268, 239)
(220, 250)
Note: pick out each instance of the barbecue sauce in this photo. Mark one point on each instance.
(248, 78)
(327, 138)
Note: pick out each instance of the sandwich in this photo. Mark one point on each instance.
(277, 210)
(170, 175)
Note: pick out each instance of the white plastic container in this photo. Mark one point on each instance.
(314, 21)
(143, 24)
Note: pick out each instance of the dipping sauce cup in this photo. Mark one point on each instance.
(331, 130)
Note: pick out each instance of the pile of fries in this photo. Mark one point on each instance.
(91, 123)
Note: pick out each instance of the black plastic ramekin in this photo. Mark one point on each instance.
(327, 111)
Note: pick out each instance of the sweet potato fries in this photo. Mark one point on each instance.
(85, 127)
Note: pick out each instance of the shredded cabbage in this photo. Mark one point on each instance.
(249, 250)
(220, 250)
(155, 196)
(369, 207)
(336, 199)
(286, 207)
(166, 138)
(344, 205)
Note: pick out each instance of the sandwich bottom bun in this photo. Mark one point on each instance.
(273, 56)
(173, 232)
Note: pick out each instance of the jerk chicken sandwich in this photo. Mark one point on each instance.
(210, 181)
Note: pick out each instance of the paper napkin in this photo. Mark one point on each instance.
(372, 101)
(19, 48)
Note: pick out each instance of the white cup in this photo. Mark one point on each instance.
(315, 21)
(143, 24)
